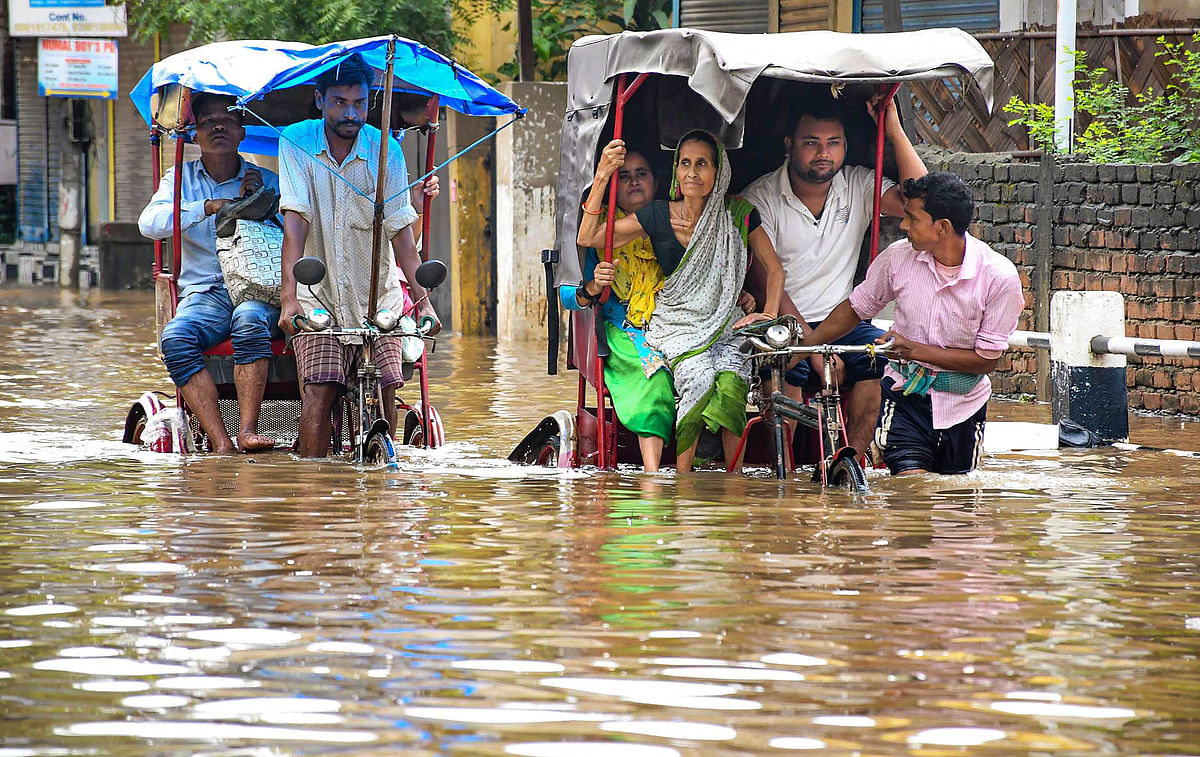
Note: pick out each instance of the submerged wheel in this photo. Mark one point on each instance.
(546, 453)
(414, 436)
(847, 473)
(379, 450)
(135, 425)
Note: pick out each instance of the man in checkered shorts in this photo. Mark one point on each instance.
(326, 218)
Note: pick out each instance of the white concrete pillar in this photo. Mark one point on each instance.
(1086, 388)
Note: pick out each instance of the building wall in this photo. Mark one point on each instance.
(1121, 228)
(526, 180)
(39, 160)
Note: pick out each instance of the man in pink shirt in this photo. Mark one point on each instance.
(957, 303)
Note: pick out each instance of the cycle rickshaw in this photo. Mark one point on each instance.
(273, 84)
(739, 87)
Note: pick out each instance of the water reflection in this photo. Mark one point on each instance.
(251, 605)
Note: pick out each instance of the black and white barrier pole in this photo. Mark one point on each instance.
(1088, 388)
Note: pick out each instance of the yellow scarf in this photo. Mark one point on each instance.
(638, 278)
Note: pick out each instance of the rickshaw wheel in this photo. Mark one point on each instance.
(414, 437)
(379, 450)
(847, 473)
(135, 425)
(545, 454)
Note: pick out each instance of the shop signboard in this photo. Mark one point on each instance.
(77, 68)
(66, 18)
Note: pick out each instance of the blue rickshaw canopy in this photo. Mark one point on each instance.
(250, 70)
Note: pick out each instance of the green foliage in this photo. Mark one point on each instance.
(426, 21)
(1123, 128)
(558, 23)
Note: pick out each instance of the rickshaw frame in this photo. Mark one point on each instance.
(607, 71)
(432, 433)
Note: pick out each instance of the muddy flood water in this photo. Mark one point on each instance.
(262, 605)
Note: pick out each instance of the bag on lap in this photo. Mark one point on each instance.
(251, 261)
(250, 247)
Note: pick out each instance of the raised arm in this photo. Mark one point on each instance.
(591, 222)
(908, 162)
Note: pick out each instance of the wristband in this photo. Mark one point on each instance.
(581, 293)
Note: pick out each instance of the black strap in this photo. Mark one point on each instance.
(549, 260)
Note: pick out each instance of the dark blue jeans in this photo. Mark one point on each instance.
(204, 320)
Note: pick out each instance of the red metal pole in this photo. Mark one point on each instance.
(623, 95)
(177, 233)
(431, 117)
(425, 406)
(576, 457)
(879, 145)
(156, 170)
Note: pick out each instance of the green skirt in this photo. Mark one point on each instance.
(645, 406)
(724, 407)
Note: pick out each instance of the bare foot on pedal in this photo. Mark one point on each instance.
(251, 442)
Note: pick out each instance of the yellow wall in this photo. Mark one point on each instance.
(490, 46)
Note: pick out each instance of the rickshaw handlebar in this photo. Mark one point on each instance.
(817, 349)
(304, 323)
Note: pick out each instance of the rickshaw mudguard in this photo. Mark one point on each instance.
(169, 437)
(561, 425)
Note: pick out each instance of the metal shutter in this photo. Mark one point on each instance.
(746, 16)
(971, 15)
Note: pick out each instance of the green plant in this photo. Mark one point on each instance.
(558, 23)
(426, 21)
(1149, 127)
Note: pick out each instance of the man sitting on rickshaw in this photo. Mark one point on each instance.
(957, 304)
(206, 316)
(321, 162)
(816, 209)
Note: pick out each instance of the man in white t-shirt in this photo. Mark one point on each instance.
(816, 211)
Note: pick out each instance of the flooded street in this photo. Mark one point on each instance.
(262, 605)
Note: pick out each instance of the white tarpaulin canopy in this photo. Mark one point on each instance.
(721, 69)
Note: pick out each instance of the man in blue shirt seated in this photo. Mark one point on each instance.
(205, 316)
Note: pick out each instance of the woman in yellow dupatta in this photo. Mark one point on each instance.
(636, 376)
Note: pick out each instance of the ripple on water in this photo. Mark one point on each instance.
(225, 708)
(155, 701)
(509, 666)
(731, 673)
(671, 729)
(961, 737)
(1058, 710)
(205, 683)
(43, 609)
(634, 687)
(64, 504)
(89, 652)
(245, 636)
(200, 731)
(113, 687)
(340, 647)
(501, 715)
(108, 666)
(588, 749)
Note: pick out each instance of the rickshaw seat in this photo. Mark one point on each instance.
(282, 381)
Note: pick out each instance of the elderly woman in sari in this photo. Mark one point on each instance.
(702, 241)
(636, 375)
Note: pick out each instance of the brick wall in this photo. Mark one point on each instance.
(1124, 228)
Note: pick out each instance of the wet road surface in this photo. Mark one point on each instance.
(262, 605)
